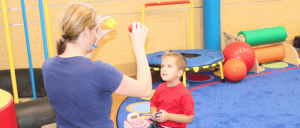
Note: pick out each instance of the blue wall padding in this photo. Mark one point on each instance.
(206, 57)
(211, 24)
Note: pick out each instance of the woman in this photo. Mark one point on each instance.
(80, 90)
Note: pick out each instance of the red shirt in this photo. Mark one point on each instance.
(176, 100)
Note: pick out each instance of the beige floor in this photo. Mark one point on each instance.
(117, 101)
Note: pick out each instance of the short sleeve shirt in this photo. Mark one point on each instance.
(176, 100)
(80, 91)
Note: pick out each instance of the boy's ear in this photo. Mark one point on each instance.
(180, 73)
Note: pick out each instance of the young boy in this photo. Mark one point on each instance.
(172, 98)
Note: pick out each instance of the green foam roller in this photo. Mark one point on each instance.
(264, 36)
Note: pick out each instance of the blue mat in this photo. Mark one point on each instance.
(270, 99)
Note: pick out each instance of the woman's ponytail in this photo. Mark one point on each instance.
(74, 18)
(61, 45)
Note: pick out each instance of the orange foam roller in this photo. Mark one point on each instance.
(268, 54)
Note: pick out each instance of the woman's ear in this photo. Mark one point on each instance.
(86, 33)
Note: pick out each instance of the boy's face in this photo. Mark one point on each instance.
(169, 70)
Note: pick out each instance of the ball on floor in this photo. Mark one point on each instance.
(242, 51)
(235, 70)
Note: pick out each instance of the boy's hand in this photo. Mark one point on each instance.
(153, 116)
(162, 117)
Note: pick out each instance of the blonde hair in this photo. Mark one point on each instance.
(180, 60)
(74, 18)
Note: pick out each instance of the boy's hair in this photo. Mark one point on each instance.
(180, 60)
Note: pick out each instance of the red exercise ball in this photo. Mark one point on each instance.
(235, 70)
(240, 50)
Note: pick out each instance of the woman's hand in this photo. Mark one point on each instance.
(101, 33)
(138, 35)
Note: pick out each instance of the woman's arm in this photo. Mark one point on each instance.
(142, 87)
(100, 34)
